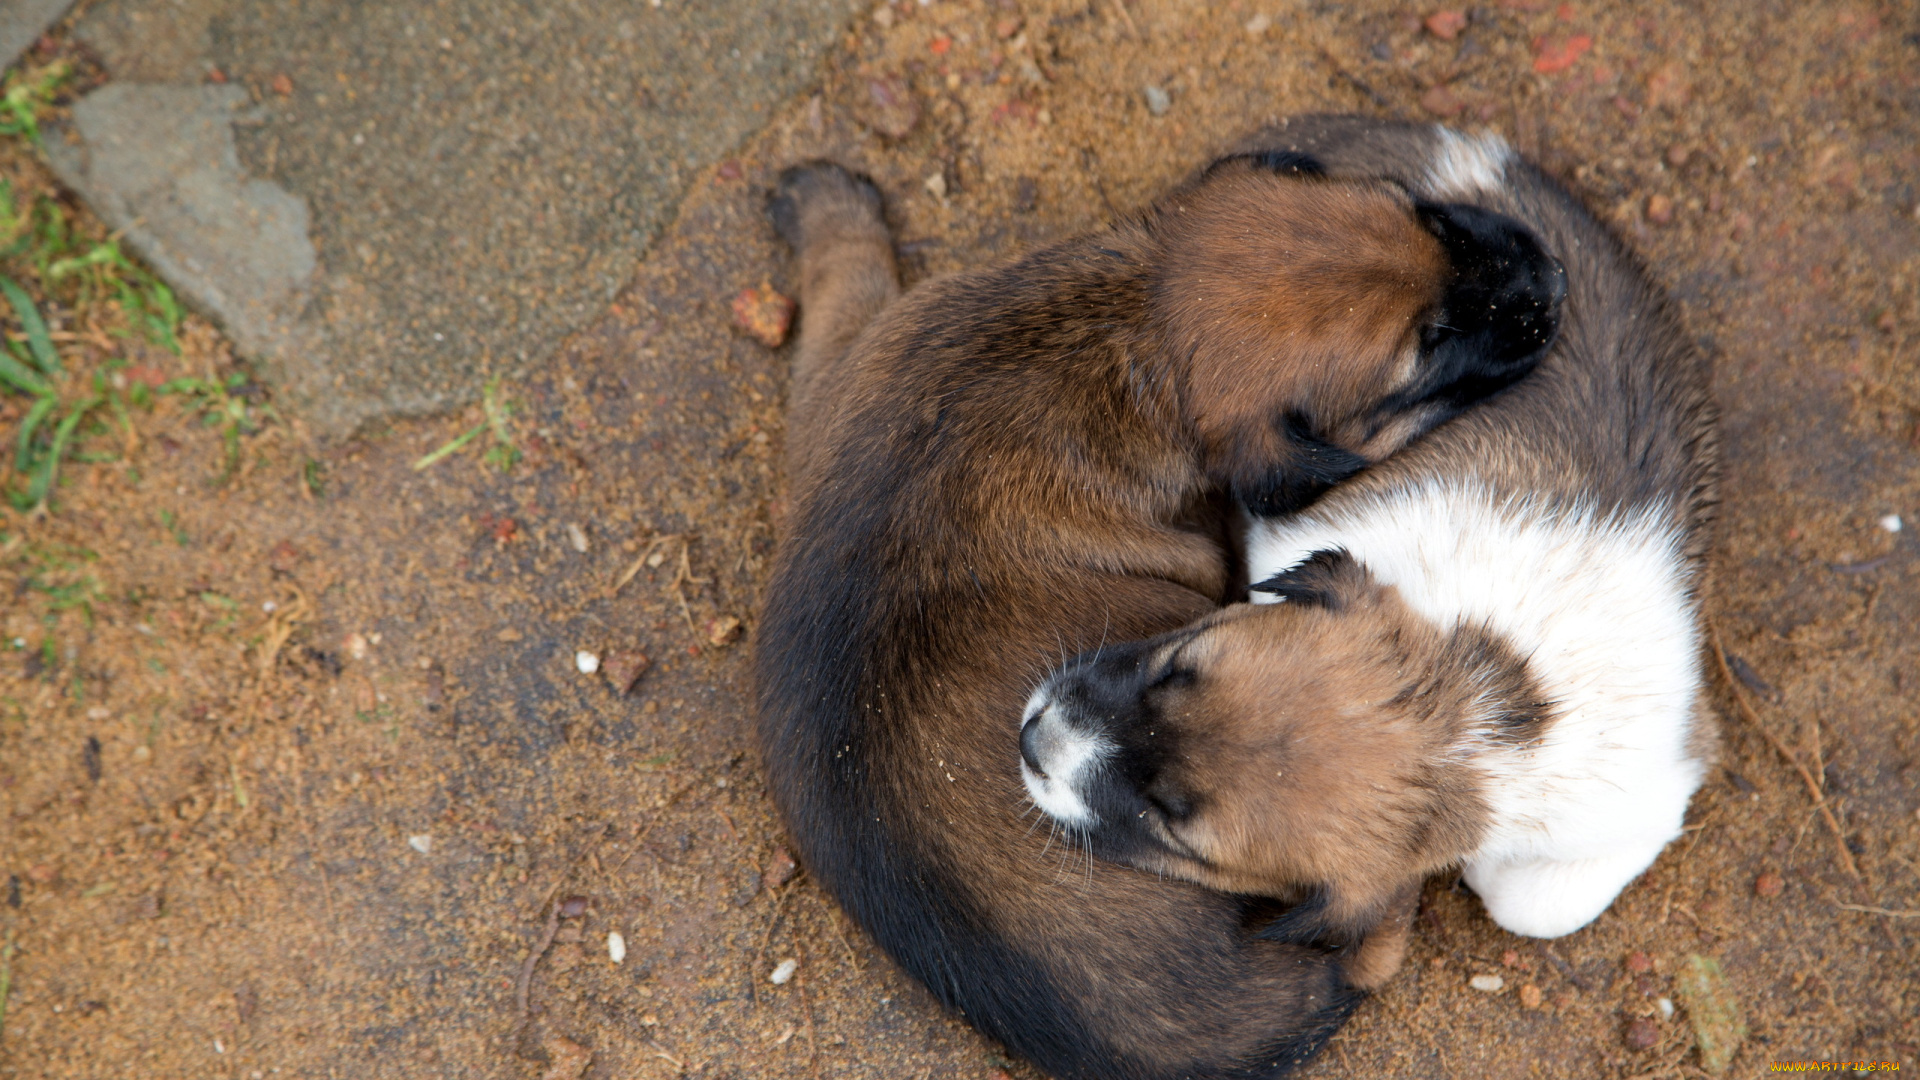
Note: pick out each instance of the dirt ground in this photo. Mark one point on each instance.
(339, 837)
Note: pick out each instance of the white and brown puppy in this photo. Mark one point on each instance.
(1007, 463)
(1490, 650)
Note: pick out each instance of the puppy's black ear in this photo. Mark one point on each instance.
(1329, 579)
(1292, 162)
(1311, 465)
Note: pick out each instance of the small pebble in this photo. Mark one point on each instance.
(357, 646)
(1553, 54)
(1530, 996)
(890, 107)
(1660, 210)
(1642, 1034)
(577, 537)
(936, 185)
(566, 1059)
(1769, 884)
(1639, 963)
(587, 662)
(723, 630)
(421, 842)
(1487, 984)
(623, 668)
(1158, 100)
(573, 907)
(780, 868)
(1259, 24)
(1665, 1005)
(764, 314)
(1446, 24)
(784, 972)
(616, 947)
(1892, 523)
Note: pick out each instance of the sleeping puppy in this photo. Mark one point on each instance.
(1007, 465)
(1489, 648)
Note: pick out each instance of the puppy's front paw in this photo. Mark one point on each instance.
(1551, 898)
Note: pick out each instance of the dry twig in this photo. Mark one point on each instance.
(638, 564)
(766, 939)
(1881, 911)
(1813, 787)
(525, 984)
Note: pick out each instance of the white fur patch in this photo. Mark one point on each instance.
(1599, 608)
(1467, 165)
(1065, 757)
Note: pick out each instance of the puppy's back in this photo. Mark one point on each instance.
(876, 634)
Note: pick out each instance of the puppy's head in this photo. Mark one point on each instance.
(1310, 750)
(1322, 324)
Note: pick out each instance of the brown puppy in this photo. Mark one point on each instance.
(1007, 465)
(1489, 649)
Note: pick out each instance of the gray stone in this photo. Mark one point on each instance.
(158, 163)
(22, 22)
(481, 176)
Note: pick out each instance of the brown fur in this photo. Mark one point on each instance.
(1328, 275)
(1312, 747)
(1018, 462)
(1305, 751)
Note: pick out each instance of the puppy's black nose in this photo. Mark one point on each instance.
(1032, 742)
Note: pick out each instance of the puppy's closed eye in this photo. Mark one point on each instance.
(1174, 677)
(1169, 800)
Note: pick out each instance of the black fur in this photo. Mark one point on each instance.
(1324, 580)
(1277, 161)
(1311, 467)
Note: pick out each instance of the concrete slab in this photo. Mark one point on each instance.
(22, 22)
(481, 177)
(158, 163)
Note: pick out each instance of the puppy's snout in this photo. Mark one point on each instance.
(1058, 758)
(1037, 743)
(1504, 280)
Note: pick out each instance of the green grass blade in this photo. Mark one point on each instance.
(35, 326)
(451, 447)
(6, 977)
(28, 426)
(41, 487)
(21, 377)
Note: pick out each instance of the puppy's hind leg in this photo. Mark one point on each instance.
(832, 219)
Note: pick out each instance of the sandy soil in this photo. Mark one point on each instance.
(338, 838)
